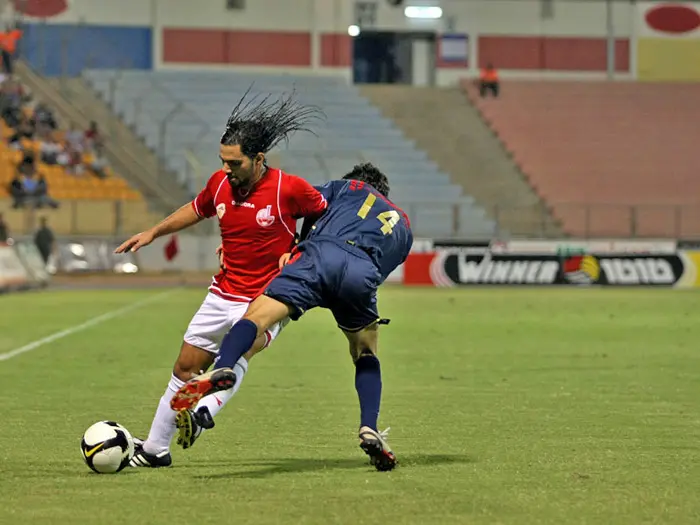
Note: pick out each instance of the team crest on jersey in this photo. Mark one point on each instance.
(221, 209)
(265, 217)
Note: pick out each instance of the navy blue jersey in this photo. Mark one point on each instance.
(361, 216)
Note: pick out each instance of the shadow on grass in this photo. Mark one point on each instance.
(272, 467)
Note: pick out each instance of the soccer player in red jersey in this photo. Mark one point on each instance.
(257, 209)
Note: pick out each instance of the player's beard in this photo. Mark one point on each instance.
(239, 183)
(240, 180)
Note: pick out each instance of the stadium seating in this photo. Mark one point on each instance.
(612, 159)
(195, 106)
(88, 205)
(61, 184)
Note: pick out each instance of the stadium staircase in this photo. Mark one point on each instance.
(75, 103)
(612, 159)
(444, 124)
(87, 205)
(195, 107)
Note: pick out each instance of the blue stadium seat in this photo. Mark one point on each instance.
(354, 131)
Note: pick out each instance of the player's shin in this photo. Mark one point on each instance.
(237, 342)
(163, 428)
(368, 383)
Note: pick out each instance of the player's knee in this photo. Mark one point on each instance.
(191, 362)
(361, 349)
(185, 371)
(259, 345)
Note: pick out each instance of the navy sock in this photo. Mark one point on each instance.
(368, 383)
(237, 342)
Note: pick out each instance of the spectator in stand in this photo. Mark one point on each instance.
(26, 171)
(17, 193)
(49, 147)
(75, 138)
(24, 131)
(71, 159)
(8, 47)
(4, 231)
(488, 81)
(94, 146)
(98, 164)
(29, 189)
(45, 240)
(93, 137)
(41, 194)
(12, 97)
(43, 117)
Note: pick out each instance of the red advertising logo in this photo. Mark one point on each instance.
(40, 8)
(673, 18)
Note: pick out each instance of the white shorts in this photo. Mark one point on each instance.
(215, 318)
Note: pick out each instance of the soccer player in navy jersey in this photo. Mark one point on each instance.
(344, 256)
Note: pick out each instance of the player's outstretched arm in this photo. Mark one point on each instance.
(179, 220)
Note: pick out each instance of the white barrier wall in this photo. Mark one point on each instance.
(516, 35)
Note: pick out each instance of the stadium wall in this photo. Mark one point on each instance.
(21, 267)
(569, 262)
(68, 49)
(311, 35)
(653, 40)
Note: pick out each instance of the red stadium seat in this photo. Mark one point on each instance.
(612, 159)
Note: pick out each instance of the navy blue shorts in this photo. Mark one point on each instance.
(341, 278)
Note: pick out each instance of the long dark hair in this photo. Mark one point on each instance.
(258, 122)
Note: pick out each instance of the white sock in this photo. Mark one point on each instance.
(163, 428)
(216, 402)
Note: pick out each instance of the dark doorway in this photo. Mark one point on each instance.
(382, 57)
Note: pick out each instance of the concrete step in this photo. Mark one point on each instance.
(444, 123)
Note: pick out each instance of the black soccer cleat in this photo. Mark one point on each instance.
(376, 447)
(191, 424)
(142, 458)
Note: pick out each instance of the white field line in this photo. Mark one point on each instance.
(82, 326)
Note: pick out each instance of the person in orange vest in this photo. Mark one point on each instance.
(8, 47)
(488, 81)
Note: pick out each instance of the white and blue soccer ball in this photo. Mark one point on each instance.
(107, 447)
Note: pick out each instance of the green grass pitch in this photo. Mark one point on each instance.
(507, 406)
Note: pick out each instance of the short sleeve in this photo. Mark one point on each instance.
(305, 200)
(203, 203)
(330, 189)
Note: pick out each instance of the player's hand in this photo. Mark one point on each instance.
(137, 242)
(220, 255)
(284, 259)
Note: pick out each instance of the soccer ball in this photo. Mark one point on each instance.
(107, 447)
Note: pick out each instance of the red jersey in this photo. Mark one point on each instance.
(256, 228)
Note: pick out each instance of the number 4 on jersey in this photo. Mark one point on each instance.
(389, 219)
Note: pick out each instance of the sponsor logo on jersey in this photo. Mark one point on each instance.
(265, 217)
(220, 210)
(244, 204)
